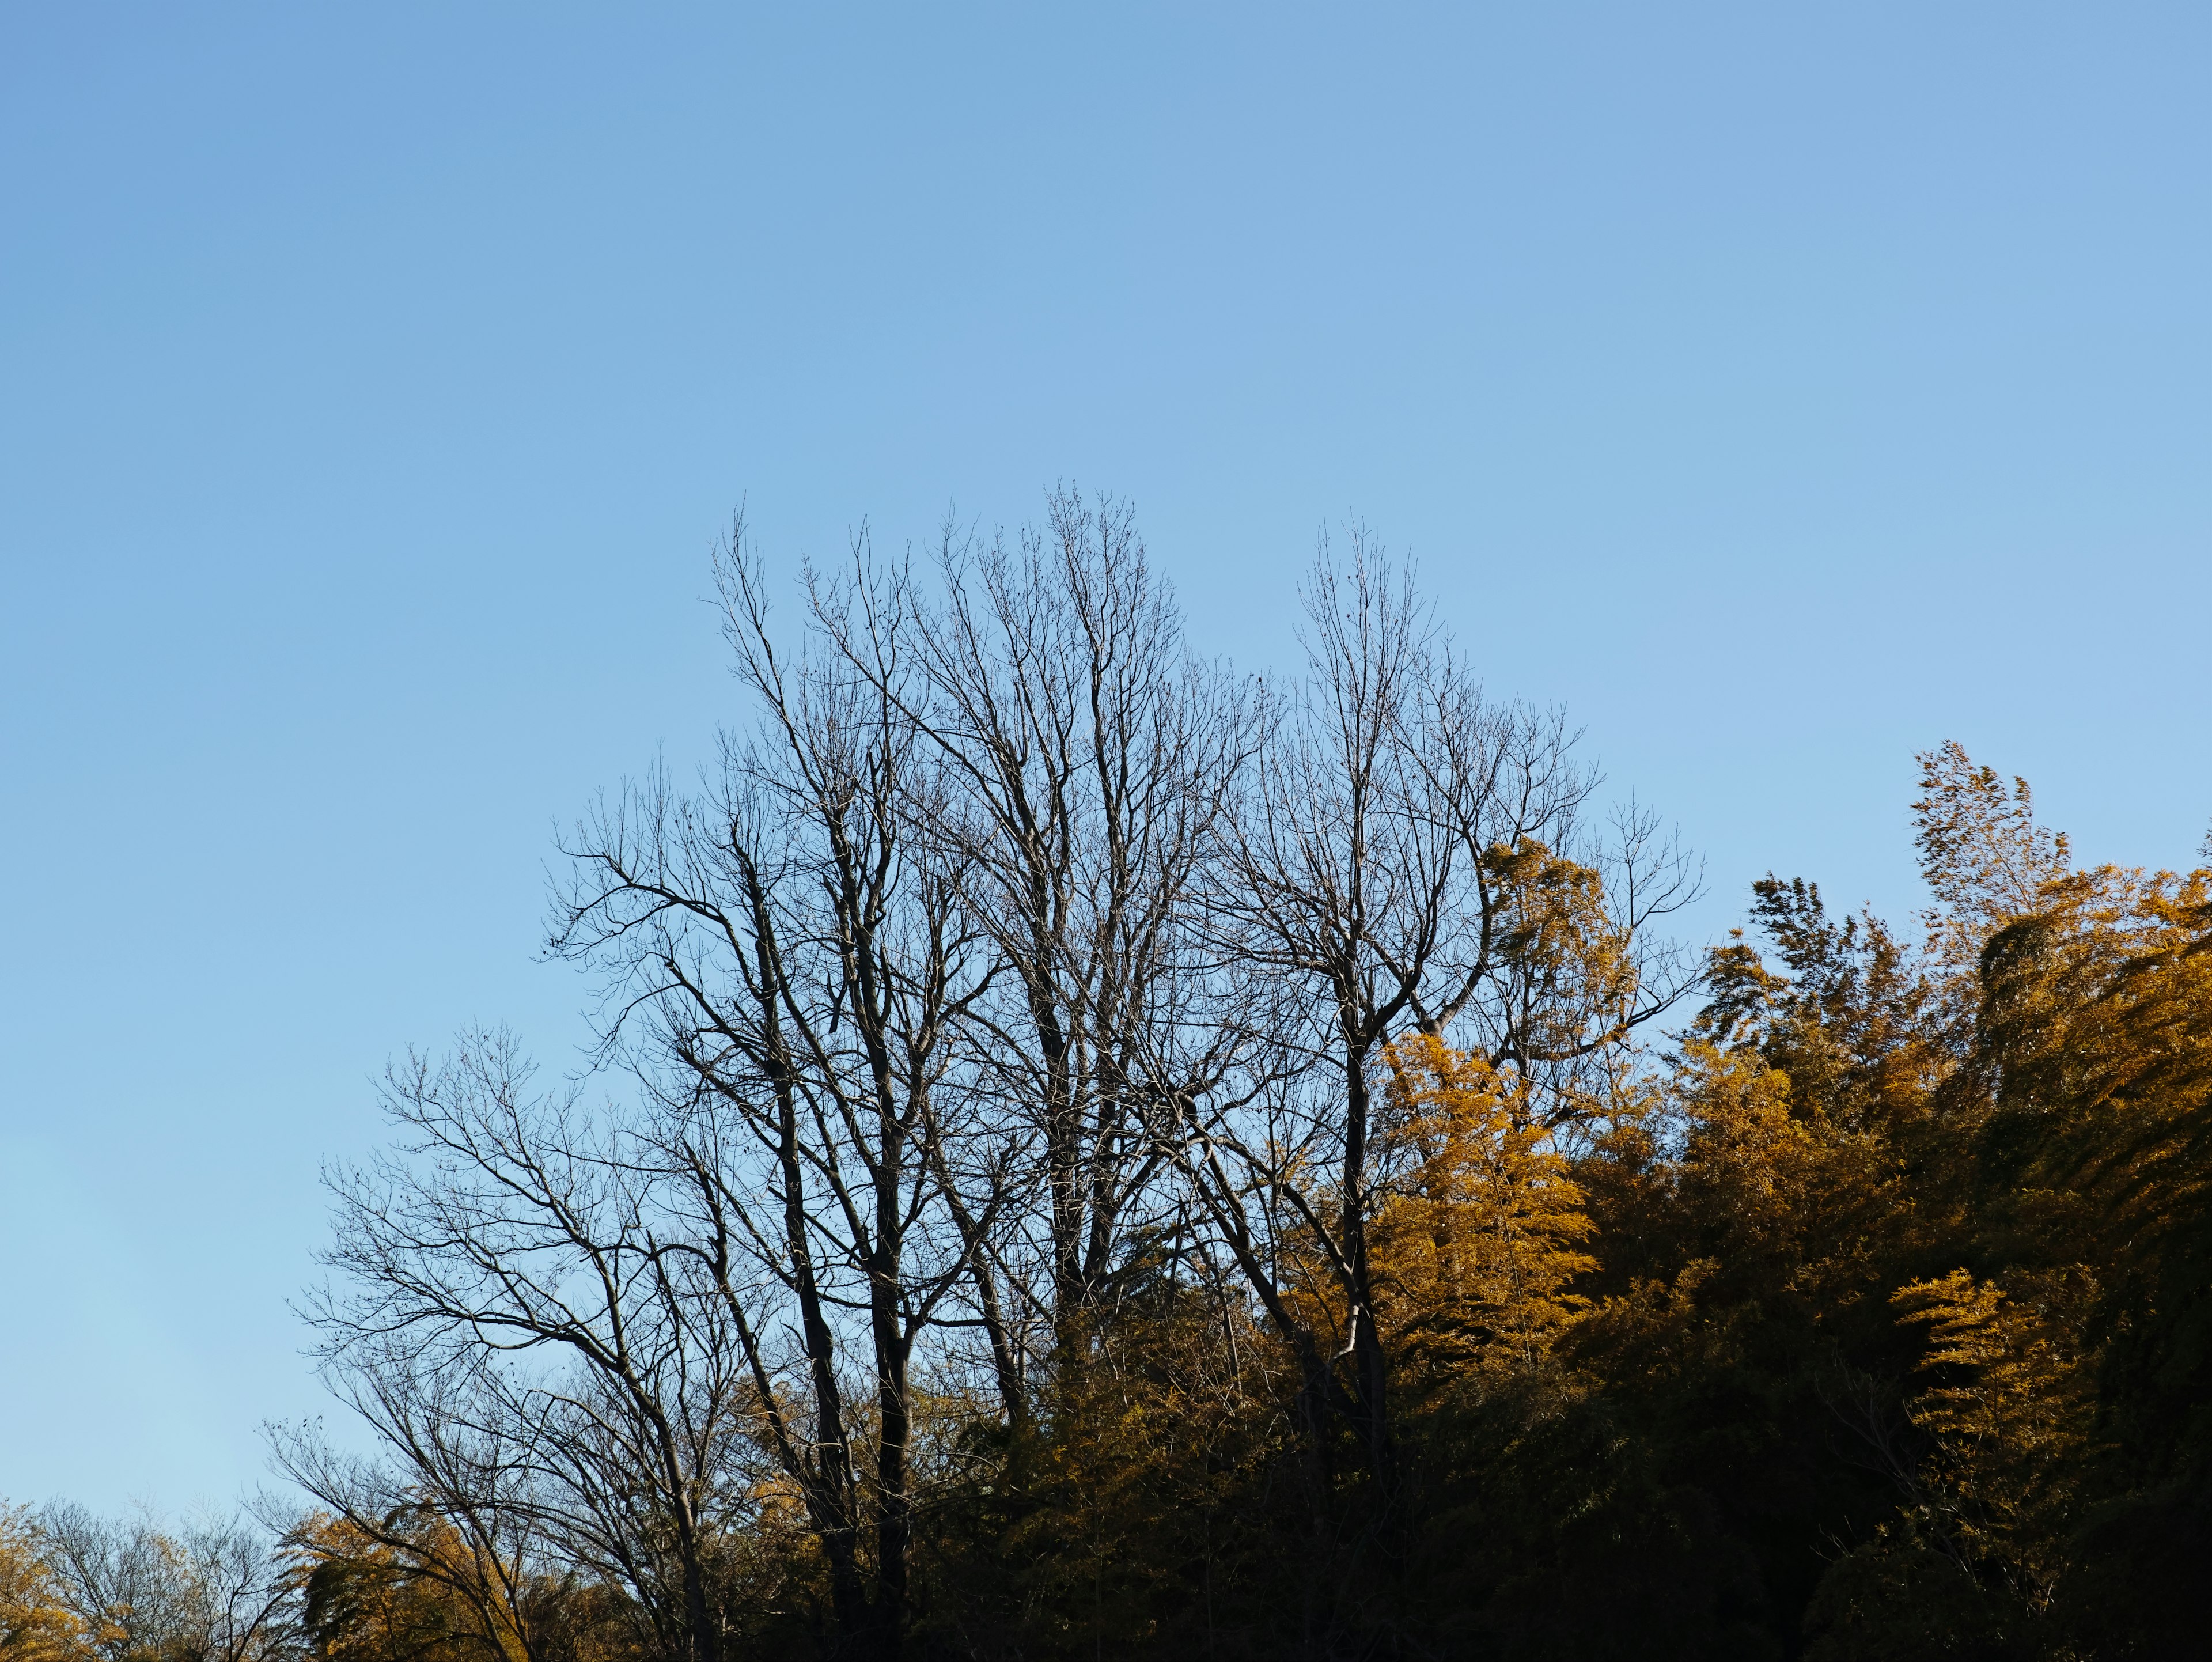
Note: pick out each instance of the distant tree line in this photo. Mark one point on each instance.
(1116, 1159)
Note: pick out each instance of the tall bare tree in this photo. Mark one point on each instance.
(1401, 859)
(1009, 955)
(1085, 758)
(520, 1311)
(785, 961)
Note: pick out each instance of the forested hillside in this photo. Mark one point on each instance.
(1084, 1154)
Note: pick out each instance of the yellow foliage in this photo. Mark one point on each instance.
(35, 1621)
(1575, 974)
(368, 1603)
(1747, 1150)
(1475, 1242)
(2008, 1425)
(1753, 1172)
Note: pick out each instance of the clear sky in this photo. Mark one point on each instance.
(1786, 388)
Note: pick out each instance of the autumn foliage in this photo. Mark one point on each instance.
(1407, 1261)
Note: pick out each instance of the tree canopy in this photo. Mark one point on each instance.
(1114, 1159)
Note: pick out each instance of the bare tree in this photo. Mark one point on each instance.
(1084, 759)
(786, 962)
(1401, 859)
(1010, 954)
(215, 1591)
(517, 1303)
(463, 1500)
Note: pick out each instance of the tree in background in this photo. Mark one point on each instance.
(36, 1622)
(76, 1587)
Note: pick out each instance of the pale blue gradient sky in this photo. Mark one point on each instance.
(1786, 388)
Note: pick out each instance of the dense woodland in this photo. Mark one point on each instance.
(1086, 1154)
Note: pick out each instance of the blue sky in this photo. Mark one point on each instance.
(1784, 388)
